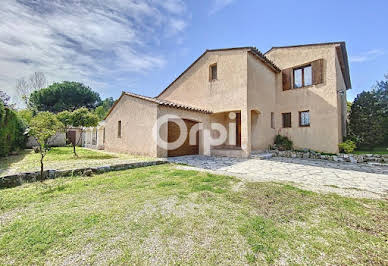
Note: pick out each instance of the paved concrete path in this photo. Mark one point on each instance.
(356, 180)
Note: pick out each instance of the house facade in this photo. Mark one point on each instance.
(295, 91)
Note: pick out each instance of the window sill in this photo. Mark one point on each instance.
(304, 126)
(305, 87)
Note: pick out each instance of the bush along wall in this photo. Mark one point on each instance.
(11, 131)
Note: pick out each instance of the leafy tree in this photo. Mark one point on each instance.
(381, 92)
(81, 117)
(102, 110)
(2, 113)
(65, 96)
(26, 115)
(12, 128)
(42, 127)
(66, 118)
(349, 107)
(365, 121)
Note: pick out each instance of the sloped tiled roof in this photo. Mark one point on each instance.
(159, 102)
(168, 103)
(265, 59)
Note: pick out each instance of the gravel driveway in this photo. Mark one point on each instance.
(355, 180)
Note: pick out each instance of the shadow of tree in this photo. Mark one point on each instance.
(7, 162)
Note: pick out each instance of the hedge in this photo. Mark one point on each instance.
(11, 131)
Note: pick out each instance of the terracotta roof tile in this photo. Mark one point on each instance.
(168, 103)
(265, 59)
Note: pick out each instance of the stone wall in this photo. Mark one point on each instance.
(352, 158)
(21, 178)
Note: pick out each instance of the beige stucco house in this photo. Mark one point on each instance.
(296, 91)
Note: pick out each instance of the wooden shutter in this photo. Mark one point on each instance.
(317, 69)
(286, 75)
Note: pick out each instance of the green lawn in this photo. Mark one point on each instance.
(377, 150)
(162, 215)
(62, 158)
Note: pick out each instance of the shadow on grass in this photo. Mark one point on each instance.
(7, 162)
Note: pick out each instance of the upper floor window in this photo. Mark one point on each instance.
(213, 72)
(310, 73)
(303, 76)
(286, 120)
(304, 119)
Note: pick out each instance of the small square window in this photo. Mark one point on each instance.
(286, 120)
(304, 118)
(213, 72)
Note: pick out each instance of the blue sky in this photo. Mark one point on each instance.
(142, 46)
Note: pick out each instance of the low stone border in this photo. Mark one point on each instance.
(352, 158)
(21, 178)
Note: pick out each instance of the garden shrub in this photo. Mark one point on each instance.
(283, 142)
(11, 131)
(347, 146)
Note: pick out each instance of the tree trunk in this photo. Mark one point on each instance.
(41, 166)
(77, 142)
(75, 153)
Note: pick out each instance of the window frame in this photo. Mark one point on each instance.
(300, 118)
(302, 68)
(119, 125)
(211, 78)
(283, 120)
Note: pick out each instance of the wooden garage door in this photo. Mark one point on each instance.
(186, 148)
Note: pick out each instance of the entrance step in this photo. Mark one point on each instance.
(237, 153)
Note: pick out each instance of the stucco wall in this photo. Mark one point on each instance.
(228, 92)
(341, 102)
(59, 140)
(137, 120)
(261, 102)
(320, 100)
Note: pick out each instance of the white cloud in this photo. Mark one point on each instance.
(366, 56)
(218, 5)
(84, 40)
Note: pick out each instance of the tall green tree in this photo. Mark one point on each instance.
(42, 127)
(366, 121)
(12, 128)
(102, 110)
(65, 96)
(81, 117)
(381, 92)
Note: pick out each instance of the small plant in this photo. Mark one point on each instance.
(347, 146)
(283, 143)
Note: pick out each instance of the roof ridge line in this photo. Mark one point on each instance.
(168, 103)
